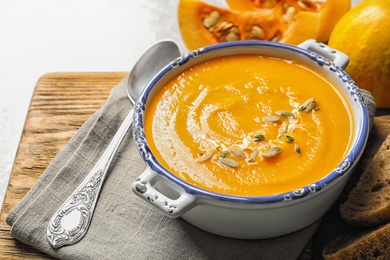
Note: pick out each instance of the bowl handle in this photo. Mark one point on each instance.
(144, 187)
(337, 57)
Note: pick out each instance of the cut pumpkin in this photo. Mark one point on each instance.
(287, 21)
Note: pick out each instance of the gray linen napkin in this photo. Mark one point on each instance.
(124, 227)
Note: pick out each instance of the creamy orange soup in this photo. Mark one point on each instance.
(249, 125)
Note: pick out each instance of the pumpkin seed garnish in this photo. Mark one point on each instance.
(205, 156)
(253, 156)
(282, 130)
(224, 154)
(289, 139)
(272, 152)
(297, 149)
(237, 152)
(228, 162)
(270, 119)
(285, 113)
(259, 137)
(308, 105)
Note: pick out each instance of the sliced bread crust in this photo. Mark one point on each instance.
(368, 203)
(360, 244)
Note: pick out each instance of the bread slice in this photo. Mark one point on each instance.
(360, 244)
(368, 203)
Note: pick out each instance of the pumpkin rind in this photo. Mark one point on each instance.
(362, 34)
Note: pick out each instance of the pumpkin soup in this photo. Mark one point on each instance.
(249, 125)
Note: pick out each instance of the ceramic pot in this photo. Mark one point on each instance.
(262, 216)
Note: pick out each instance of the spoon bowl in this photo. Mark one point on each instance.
(148, 65)
(71, 221)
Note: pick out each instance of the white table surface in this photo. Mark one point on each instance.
(42, 36)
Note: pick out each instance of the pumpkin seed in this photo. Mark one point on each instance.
(271, 119)
(289, 139)
(259, 137)
(282, 130)
(290, 12)
(237, 152)
(285, 113)
(272, 152)
(276, 38)
(224, 154)
(233, 34)
(308, 105)
(205, 156)
(297, 149)
(304, 4)
(253, 155)
(225, 26)
(257, 32)
(212, 19)
(229, 162)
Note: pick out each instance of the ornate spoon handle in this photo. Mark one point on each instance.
(71, 221)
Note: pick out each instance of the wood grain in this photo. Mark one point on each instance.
(60, 105)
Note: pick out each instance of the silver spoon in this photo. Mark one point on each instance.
(71, 221)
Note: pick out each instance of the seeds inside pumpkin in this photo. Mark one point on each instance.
(212, 19)
(257, 32)
(305, 5)
(224, 26)
(290, 12)
(232, 35)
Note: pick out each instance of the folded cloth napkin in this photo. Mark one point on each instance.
(124, 226)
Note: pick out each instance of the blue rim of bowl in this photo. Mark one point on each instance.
(346, 165)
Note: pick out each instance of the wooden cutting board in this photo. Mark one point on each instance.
(62, 102)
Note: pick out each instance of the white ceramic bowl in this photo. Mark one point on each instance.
(261, 216)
